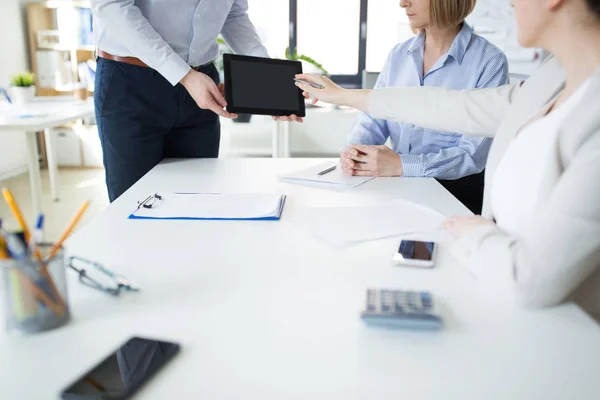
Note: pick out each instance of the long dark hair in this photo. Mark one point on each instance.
(594, 5)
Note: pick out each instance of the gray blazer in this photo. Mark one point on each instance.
(558, 258)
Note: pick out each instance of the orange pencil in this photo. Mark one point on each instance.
(69, 229)
(59, 244)
(40, 294)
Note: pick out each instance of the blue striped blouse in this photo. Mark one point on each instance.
(471, 62)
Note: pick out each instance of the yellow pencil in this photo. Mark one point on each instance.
(3, 254)
(12, 204)
(69, 230)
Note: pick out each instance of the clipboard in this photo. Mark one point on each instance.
(210, 207)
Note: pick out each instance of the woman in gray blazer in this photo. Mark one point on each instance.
(538, 241)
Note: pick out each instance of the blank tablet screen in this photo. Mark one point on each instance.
(263, 86)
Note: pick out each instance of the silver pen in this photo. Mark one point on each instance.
(315, 85)
(328, 170)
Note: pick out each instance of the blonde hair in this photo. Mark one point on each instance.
(443, 13)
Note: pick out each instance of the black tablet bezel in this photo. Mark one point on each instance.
(232, 108)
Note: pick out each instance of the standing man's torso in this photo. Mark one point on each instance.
(190, 27)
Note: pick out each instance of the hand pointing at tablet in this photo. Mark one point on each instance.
(331, 93)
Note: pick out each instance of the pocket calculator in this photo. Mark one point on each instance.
(401, 309)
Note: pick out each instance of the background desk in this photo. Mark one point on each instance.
(265, 312)
(322, 134)
(42, 115)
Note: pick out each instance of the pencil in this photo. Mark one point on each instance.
(3, 253)
(40, 294)
(12, 204)
(14, 207)
(57, 247)
(69, 230)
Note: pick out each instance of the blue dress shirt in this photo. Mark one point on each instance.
(471, 62)
(171, 35)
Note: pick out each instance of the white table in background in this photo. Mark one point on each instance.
(43, 114)
(263, 311)
(323, 131)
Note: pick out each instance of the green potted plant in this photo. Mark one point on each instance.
(306, 60)
(309, 66)
(22, 87)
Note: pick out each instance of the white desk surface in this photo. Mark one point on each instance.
(44, 112)
(265, 312)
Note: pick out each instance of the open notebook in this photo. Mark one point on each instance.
(211, 206)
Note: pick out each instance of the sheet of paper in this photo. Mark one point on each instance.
(334, 179)
(213, 206)
(344, 226)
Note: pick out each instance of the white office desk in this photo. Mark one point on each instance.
(265, 312)
(43, 114)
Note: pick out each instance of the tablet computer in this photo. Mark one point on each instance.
(265, 86)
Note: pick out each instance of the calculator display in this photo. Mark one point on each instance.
(415, 250)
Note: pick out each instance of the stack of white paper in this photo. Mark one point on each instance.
(344, 226)
(331, 180)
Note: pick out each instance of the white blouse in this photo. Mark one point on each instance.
(546, 246)
(520, 182)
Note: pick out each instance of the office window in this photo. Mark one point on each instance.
(328, 31)
(271, 21)
(387, 25)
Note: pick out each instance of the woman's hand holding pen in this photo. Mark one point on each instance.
(332, 93)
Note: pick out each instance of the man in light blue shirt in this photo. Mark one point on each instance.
(456, 160)
(157, 93)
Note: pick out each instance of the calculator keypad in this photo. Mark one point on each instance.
(401, 308)
(390, 301)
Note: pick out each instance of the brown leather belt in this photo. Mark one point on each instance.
(130, 60)
(126, 60)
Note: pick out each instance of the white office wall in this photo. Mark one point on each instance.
(13, 40)
(496, 18)
(13, 156)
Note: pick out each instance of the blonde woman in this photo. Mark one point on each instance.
(538, 242)
(444, 53)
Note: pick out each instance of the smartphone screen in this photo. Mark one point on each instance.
(415, 250)
(120, 374)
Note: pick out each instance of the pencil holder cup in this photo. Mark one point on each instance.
(35, 294)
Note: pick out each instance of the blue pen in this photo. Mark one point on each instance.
(38, 233)
(6, 96)
(39, 229)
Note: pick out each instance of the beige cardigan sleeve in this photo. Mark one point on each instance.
(548, 261)
(473, 112)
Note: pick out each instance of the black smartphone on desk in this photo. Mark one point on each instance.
(122, 373)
